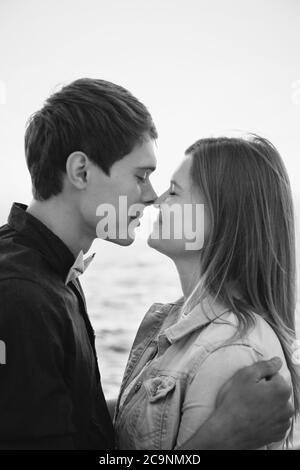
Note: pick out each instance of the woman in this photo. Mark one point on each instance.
(239, 292)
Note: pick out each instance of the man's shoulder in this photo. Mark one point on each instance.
(19, 260)
(28, 306)
(15, 288)
(27, 282)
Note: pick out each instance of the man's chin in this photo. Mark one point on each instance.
(125, 242)
(121, 241)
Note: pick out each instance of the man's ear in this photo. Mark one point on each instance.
(77, 167)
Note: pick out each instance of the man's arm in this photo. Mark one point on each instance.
(35, 404)
(253, 410)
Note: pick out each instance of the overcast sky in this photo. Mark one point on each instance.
(201, 66)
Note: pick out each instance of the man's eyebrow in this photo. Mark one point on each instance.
(176, 184)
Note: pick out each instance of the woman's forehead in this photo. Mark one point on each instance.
(181, 176)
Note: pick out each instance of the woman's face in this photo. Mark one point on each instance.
(183, 222)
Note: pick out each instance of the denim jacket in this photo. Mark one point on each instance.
(176, 367)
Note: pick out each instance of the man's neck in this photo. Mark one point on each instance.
(63, 221)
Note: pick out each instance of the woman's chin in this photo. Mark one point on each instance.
(163, 246)
(151, 241)
(154, 242)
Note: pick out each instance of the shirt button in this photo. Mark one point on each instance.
(137, 386)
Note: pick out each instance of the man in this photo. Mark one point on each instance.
(91, 143)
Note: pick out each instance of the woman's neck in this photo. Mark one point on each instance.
(189, 270)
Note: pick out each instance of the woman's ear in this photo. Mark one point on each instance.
(77, 167)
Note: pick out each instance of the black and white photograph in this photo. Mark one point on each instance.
(149, 227)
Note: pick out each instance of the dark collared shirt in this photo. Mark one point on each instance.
(50, 390)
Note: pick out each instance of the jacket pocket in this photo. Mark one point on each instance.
(158, 387)
(147, 422)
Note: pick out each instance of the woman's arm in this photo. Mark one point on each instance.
(248, 412)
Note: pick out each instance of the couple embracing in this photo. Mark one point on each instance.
(214, 369)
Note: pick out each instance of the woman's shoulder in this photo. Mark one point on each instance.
(259, 336)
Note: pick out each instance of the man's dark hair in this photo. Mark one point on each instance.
(99, 118)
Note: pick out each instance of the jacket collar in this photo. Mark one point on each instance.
(200, 316)
(79, 266)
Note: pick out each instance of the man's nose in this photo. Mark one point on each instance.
(149, 196)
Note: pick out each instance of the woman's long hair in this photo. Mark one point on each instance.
(250, 248)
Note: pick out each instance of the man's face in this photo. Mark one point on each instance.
(108, 205)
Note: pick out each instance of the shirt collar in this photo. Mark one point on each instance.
(79, 266)
(37, 236)
(201, 315)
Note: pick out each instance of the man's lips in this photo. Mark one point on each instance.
(137, 218)
(136, 213)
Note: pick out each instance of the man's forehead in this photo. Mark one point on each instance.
(143, 157)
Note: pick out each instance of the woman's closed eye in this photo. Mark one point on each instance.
(172, 190)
